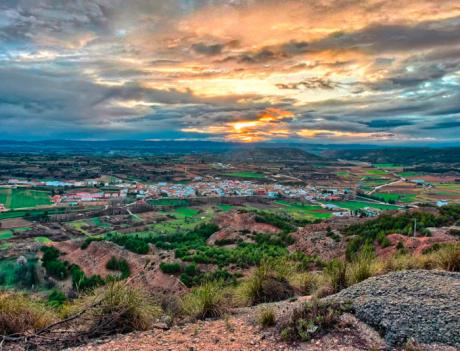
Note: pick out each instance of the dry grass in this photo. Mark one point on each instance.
(205, 301)
(264, 285)
(19, 313)
(266, 317)
(118, 308)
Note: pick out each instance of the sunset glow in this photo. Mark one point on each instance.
(246, 70)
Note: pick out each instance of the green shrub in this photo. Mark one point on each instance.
(25, 275)
(56, 298)
(170, 267)
(205, 301)
(121, 265)
(313, 319)
(266, 317)
(81, 282)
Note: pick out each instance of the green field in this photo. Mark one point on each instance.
(356, 205)
(5, 246)
(186, 212)
(395, 197)
(343, 174)
(6, 234)
(168, 202)
(43, 240)
(225, 207)
(184, 219)
(98, 223)
(301, 210)
(23, 198)
(26, 213)
(246, 174)
(409, 174)
(376, 172)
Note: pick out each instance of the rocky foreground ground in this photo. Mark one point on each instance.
(423, 305)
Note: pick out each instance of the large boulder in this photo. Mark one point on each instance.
(418, 304)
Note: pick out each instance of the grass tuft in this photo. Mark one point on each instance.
(19, 313)
(205, 301)
(266, 317)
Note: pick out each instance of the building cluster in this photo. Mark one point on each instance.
(226, 188)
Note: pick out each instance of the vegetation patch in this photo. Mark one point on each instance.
(246, 174)
(14, 198)
(312, 320)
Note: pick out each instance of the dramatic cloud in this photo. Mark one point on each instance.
(246, 70)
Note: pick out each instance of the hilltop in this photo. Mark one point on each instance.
(402, 305)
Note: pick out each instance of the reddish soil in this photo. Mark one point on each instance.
(240, 332)
(416, 245)
(144, 268)
(312, 239)
(234, 224)
(14, 223)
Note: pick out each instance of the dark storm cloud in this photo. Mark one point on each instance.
(444, 125)
(207, 49)
(388, 123)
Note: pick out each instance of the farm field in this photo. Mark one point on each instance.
(356, 205)
(376, 172)
(43, 240)
(302, 210)
(183, 219)
(8, 234)
(245, 174)
(27, 213)
(225, 207)
(168, 202)
(23, 198)
(395, 197)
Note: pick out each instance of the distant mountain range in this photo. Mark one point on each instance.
(256, 152)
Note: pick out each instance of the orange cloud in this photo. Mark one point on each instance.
(270, 123)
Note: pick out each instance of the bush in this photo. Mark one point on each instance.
(266, 317)
(19, 313)
(121, 265)
(205, 301)
(360, 269)
(81, 282)
(25, 275)
(56, 298)
(118, 308)
(336, 270)
(448, 257)
(304, 282)
(264, 286)
(170, 268)
(311, 320)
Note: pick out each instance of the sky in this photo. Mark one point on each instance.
(329, 71)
